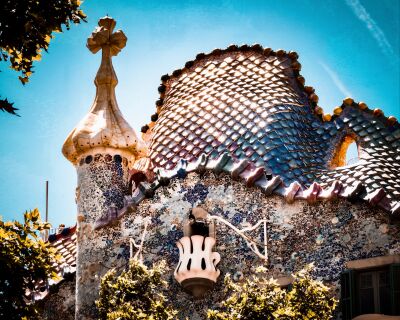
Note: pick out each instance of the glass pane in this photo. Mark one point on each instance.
(396, 277)
(396, 296)
(367, 304)
(383, 278)
(384, 300)
(366, 280)
(384, 292)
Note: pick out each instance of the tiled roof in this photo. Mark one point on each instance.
(253, 176)
(64, 242)
(251, 103)
(378, 138)
(247, 101)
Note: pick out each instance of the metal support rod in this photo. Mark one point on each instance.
(251, 243)
(47, 200)
(265, 240)
(46, 233)
(132, 243)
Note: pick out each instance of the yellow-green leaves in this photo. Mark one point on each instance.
(261, 298)
(25, 259)
(35, 215)
(136, 293)
(27, 28)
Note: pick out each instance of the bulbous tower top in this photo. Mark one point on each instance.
(104, 127)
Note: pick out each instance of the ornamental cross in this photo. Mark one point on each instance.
(103, 37)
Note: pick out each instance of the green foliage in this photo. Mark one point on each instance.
(258, 298)
(26, 28)
(24, 260)
(308, 298)
(136, 293)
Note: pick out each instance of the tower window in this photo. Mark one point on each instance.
(352, 153)
(346, 153)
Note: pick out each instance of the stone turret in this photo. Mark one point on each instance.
(102, 147)
(104, 128)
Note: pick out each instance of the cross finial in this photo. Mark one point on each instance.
(111, 44)
(103, 36)
(104, 127)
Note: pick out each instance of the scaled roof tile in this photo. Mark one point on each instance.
(252, 103)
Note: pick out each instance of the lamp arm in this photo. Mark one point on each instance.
(250, 242)
(132, 244)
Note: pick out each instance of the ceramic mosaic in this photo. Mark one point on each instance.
(103, 183)
(251, 103)
(327, 233)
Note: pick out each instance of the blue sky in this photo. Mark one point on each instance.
(346, 47)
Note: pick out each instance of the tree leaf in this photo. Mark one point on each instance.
(6, 106)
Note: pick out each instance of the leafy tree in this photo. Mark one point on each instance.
(260, 298)
(307, 299)
(254, 298)
(26, 28)
(135, 294)
(24, 260)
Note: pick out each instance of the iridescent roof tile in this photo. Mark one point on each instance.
(252, 103)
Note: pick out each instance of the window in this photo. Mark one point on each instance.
(135, 180)
(346, 153)
(371, 291)
(352, 154)
(374, 292)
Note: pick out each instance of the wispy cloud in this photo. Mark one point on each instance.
(335, 78)
(362, 14)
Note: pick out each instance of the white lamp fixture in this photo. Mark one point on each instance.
(196, 270)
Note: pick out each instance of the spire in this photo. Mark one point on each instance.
(104, 126)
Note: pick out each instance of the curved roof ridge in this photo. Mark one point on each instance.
(253, 176)
(388, 121)
(201, 57)
(296, 67)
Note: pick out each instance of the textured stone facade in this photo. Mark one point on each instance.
(60, 303)
(326, 233)
(102, 185)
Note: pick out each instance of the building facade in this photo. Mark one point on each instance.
(239, 167)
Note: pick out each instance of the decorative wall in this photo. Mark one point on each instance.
(60, 303)
(102, 185)
(327, 233)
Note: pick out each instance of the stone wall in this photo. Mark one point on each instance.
(326, 233)
(60, 302)
(102, 185)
